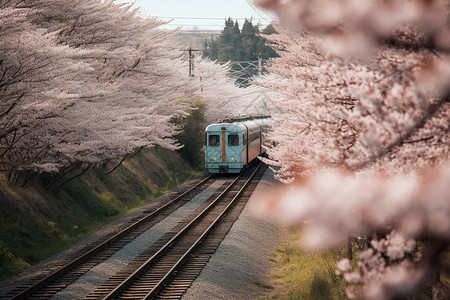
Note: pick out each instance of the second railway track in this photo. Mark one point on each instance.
(168, 267)
(70, 269)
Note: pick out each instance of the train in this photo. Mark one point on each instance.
(233, 144)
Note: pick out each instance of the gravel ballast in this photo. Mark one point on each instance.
(100, 273)
(241, 262)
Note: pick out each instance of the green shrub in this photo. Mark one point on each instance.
(193, 134)
(9, 264)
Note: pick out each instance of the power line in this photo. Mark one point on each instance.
(210, 31)
(209, 25)
(204, 18)
(213, 32)
(253, 7)
(202, 25)
(194, 25)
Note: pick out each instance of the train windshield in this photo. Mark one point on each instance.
(233, 140)
(213, 141)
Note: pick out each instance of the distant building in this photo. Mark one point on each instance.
(195, 37)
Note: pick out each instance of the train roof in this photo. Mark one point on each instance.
(245, 118)
(224, 126)
(242, 123)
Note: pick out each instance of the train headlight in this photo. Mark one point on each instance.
(232, 158)
(214, 158)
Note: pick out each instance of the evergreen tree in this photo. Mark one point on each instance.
(250, 40)
(192, 136)
(264, 45)
(227, 32)
(235, 44)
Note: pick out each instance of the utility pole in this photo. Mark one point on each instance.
(191, 60)
(259, 63)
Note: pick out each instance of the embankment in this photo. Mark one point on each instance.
(36, 222)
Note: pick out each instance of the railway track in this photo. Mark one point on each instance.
(169, 266)
(167, 272)
(66, 272)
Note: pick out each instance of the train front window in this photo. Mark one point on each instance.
(233, 140)
(214, 141)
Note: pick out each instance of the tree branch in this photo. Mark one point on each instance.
(117, 165)
(432, 111)
(76, 176)
(12, 105)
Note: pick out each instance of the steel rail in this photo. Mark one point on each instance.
(142, 269)
(62, 270)
(166, 277)
(116, 291)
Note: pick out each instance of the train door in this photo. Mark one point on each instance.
(245, 144)
(234, 147)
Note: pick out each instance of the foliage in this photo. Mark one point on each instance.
(235, 44)
(192, 136)
(84, 81)
(363, 137)
(10, 264)
(240, 45)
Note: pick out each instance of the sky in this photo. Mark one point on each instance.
(203, 14)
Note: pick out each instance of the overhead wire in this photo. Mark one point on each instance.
(262, 18)
(194, 25)
(205, 25)
(211, 32)
(256, 10)
(210, 18)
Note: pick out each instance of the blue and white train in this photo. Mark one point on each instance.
(231, 146)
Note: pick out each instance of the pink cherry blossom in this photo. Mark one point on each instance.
(363, 138)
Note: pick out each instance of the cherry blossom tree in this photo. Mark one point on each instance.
(124, 85)
(35, 82)
(364, 136)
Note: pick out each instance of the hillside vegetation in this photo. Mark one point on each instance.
(36, 223)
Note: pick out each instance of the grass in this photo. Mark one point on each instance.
(305, 275)
(36, 223)
(12, 264)
(310, 275)
(263, 284)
